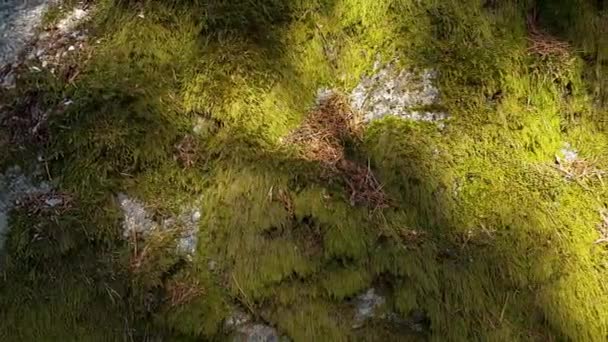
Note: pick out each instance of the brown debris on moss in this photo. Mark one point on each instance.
(186, 150)
(322, 138)
(544, 44)
(180, 292)
(322, 134)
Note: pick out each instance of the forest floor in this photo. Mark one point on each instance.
(323, 170)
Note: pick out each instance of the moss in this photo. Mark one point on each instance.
(484, 234)
(62, 277)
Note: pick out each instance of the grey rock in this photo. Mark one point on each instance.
(53, 201)
(323, 95)
(138, 221)
(367, 305)
(9, 81)
(14, 186)
(72, 20)
(569, 153)
(391, 91)
(256, 332)
(237, 319)
(212, 265)
(18, 22)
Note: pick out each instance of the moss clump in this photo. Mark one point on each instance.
(486, 238)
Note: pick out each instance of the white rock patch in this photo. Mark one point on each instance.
(256, 333)
(14, 186)
(72, 20)
(396, 92)
(366, 306)
(138, 221)
(569, 154)
(18, 22)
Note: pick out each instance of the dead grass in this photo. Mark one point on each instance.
(55, 202)
(27, 120)
(322, 138)
(544, 44)
(324, 131)
(187, 151)
(581, 171)
(180, 292)
(602, 227)
(145, 253)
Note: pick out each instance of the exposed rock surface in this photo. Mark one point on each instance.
(367, 305)
(18, 22)
(569, 153)
(371, 305)
(256, 333)
(14, 186)
(138, 221)
(20, 42)
(393, 91)
(72, 20)
(244, 329)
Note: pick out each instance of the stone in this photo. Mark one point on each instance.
(196, 216)
(569, 153)
(397, 92)
(323, 95)
(14, 186)
(53, 202)
(138, 221)
(9, 81)
(366, 306)
(256, 332)
(237, 319)
(72, 20)
(19, 21)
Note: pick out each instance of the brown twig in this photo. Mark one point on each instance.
(322, 138)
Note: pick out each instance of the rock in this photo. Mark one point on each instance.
(72, 20)
(9, 81)
(212, 265)
(242, 329)
(43, 36)
(366, 307)
(237, 319)
(570, 154)
(323, 95)
(19, 20)
(138, 221)
(188, 241)
(256, 333)
(53, 202)
(14, 186)
(136, 218)
(196, 216)
(398, 93)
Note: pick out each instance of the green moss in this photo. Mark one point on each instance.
(61, 276)
(484, 235)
